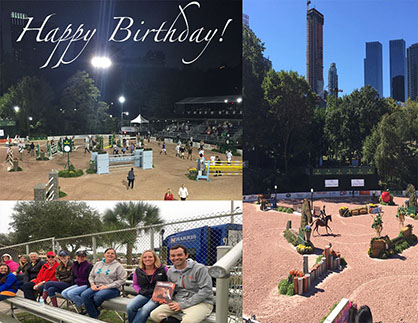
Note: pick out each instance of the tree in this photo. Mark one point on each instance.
(79, 104)
(392, 147)
(351, 119)
(36, 220)
(35, 98)
(290, 102)
(254, 69)
(131, 215)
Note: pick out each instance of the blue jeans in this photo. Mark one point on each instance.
(93, 299)
(3, 297)
(53, 287)
(140, 308)
(73, 294)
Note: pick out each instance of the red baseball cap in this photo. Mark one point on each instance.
(51, 253)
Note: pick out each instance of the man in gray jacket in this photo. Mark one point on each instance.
(193, 294)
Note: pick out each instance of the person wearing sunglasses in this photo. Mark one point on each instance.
(47, 273)
(64, 277)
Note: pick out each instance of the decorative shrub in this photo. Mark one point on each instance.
(19, 169)
(286, 287)
(62, 194)
(283, 285)
(71, 172)
(290, 289)
(291, 237)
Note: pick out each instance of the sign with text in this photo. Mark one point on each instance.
(357, 182)
(331, 183)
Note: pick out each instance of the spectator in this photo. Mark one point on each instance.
(64, 277)
(7, 283)
(146, 275)
(7, 259)
(168, 196)
(46, 273)
(106, 280)
(81, 272)
(21, 270)
(193, 293)
(183, 193)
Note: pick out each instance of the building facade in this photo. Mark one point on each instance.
(412, 71)
(314, 51)
(373, 67)
(397, 69)
(333, 80)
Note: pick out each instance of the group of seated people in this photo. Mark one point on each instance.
(87, 286)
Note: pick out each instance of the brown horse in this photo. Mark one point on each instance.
(322, 223)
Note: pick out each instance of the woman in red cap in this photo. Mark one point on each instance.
(46, 273)
(64, 277)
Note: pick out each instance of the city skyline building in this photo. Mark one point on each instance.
(373, 66)
(412, 71)
(397, 69)
(333, 80)
(314, 50)
(246, 20)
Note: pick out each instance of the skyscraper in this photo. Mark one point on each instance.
(333, 80)
(246, 20)
(314, 50)
(397, 69)
(412, 71)
(373, 66)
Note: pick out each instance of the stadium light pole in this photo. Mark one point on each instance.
(121, 100)
(29, 122)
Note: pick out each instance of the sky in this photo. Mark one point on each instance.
(348, 25)
(170, 211)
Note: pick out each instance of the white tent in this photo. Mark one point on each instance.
(139, 119)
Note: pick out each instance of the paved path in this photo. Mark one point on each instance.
(388, 287)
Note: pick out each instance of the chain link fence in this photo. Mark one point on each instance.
(201, 235)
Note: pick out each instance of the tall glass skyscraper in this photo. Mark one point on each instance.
(373, 66)
(333, 80)
(412, 69)
(397, 69)
(314, 50)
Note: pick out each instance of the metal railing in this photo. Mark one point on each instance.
(201, 235)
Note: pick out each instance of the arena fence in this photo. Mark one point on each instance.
(201, 235)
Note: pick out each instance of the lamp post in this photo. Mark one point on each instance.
(30, 119)
(312, 198)
(121, 100)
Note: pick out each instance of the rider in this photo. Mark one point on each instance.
(322, 214)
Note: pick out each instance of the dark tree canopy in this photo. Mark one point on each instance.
(39, 220)
(349, 120)
(393, 148)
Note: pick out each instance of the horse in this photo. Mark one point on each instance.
(322, 223)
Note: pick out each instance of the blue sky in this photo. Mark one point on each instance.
(281, 25)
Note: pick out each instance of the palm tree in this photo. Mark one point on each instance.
(131, 215)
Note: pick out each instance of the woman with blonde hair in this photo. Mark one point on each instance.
(149, 271)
